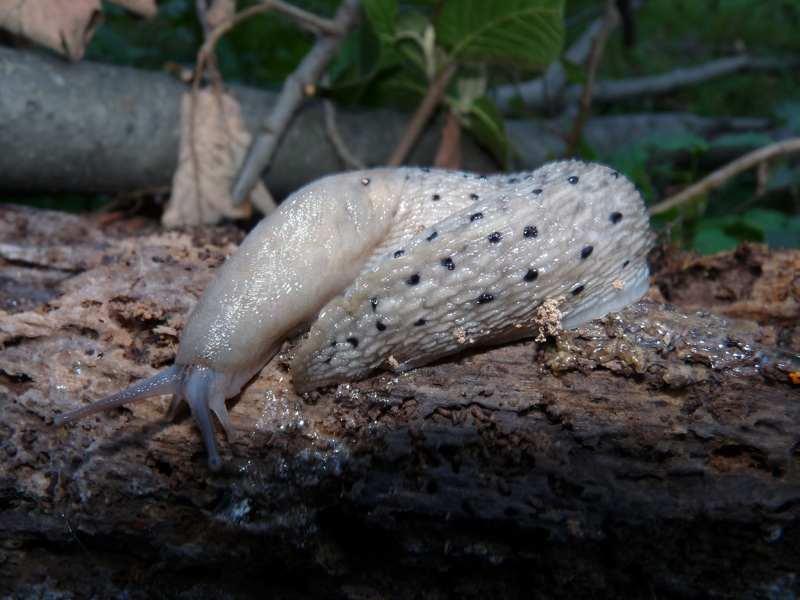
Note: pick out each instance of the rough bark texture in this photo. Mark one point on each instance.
(88, 127)
(653, 454)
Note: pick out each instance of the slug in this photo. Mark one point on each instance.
(433, 259)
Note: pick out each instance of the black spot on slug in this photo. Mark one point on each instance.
(413, 280)
(615, 217)
(365, 181)
(432, 236)
(474, 196)
(380, 325)
(399, 253)
(537, 191)
(436, 197)
(573, 180)
(353, 341)
(586, 251)
(374, 302)
(483, 178)
(447, 263)
(420, 323)
(327, 360)
(484, 298)
(626, 263)
(512, 181)
(530, 232)
(494, 237)
(577, 290)
(476, 217)
(615, 175)
(531, 275)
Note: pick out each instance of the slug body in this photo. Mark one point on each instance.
(432, 258)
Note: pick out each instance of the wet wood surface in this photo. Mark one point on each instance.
(654, 453)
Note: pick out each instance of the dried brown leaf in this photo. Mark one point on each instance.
(145, 8)
(201, 185)
(65, 27)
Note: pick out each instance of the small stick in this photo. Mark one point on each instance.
(723, 174)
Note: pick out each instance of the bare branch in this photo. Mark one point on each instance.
(292, 95)
(608, 91)
(422, 114)
(610, 19)
(720, 176)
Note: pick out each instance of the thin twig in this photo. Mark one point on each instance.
(326, 26)
(294, 91)
(610, 19)
(720, 176)
(334, 137)
(432, 98)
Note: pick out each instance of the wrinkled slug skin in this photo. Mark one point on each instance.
(572, 230)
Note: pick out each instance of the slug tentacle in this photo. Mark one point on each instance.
(203, 389)
(166, 382)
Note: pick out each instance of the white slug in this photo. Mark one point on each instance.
(490, 251)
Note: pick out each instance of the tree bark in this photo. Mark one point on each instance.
(652, 454)
(91, 128)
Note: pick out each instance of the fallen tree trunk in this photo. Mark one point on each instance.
(652, 454)
(88, 127)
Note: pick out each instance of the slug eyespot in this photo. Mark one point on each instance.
(577, 290)
(353, 342)
(447, 263)
(537, 191)
(380, 326)
(626, 263)
(531, 275)
(484, 298)
(615, 174)
(494, 237)
(420, 323)
(573, 180)
(615, 217)
(413, 280)
(432, 236)
(374, 302)
(436, 197)
(399, 253)
(474, 196)
(476, 217)
(586, 252)
(530, 232)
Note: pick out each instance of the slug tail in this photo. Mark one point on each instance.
(166, 382)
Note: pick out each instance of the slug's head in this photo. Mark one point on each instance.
(201, 387)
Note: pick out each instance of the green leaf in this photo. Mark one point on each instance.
(672, 141)
(737, 140)
(573, 71)
(531, 31)
(789, 113)
(382, 14)
(486, 124)
(713, 240)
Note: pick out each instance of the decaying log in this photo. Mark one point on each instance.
(652, 454)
